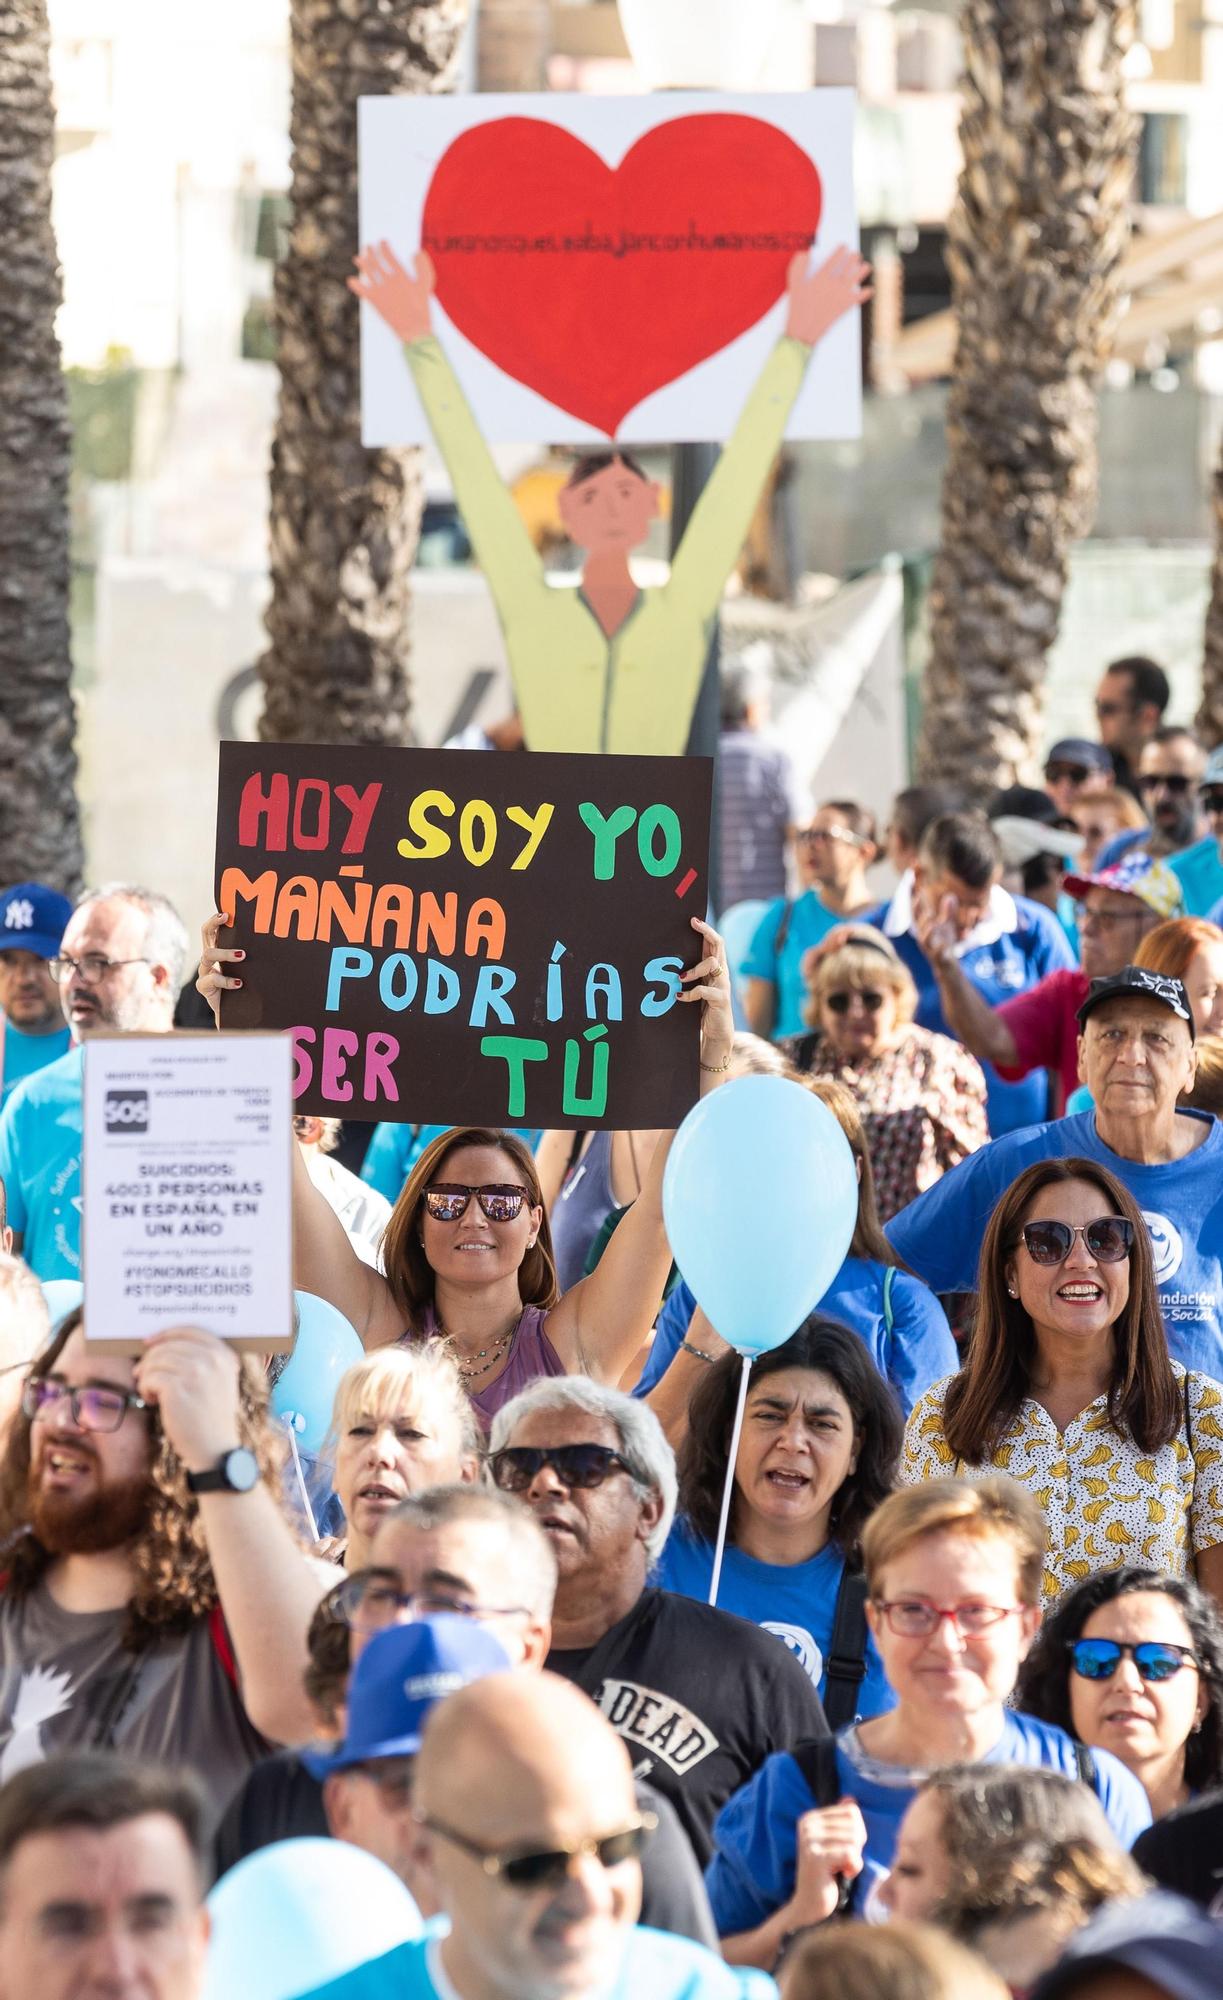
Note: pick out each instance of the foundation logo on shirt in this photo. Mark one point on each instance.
(1166, 1243)
(656, 1723)
(801, 1644)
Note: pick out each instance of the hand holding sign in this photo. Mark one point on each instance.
(193, 1378)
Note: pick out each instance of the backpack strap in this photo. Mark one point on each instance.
(1086, 1766)
(846, 1663)
(889, 1281)
(218, 1632)
(817, 1760)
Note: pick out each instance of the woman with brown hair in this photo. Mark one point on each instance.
(921, 1096)
(1067, 1385)
(467, 1253)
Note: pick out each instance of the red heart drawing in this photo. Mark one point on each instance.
(596, 285)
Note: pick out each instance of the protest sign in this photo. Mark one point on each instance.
(608, 267)
(467, 938)
(185, 1173)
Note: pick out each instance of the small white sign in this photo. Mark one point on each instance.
(186, 1185)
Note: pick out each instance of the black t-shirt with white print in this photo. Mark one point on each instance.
(700, 1697)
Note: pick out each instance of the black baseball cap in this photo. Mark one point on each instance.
(1135, 982)
(1161, 1937)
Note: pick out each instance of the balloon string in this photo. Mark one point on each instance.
(729, 1487)
(301, 1478)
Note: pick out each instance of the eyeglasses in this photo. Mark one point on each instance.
(914, 1618)
(371, 1600)
(391, 1775)
(840, 1003)
(447, 1201)
(583, 1465)
(1173, 781)
(1075, 774)
(92, 969)
(549, 1867)
(1212, 799)
(1109, 1239)
(1155, 1659)
(841, 835)
(1102, 920)
(92, 1409)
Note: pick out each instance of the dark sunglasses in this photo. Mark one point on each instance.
(447, 1201)
(1175, 782)
(1110, 1239)
(1156, 1660)
(551, 1866)
(1077, 773)
(1212, 799)
(517, 1465)
(840, 1003)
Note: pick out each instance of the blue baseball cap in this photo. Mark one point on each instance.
(1162, 1937)
(399, 1677)
(33, 918)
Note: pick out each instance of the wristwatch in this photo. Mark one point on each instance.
(237, 1472)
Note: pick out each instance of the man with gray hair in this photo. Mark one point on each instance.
(700, 1697)
(120, 966)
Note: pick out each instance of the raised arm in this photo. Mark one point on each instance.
(602, 1322)
(967, 1013)
(267, 1586)
(503, 548)
(324, 1260)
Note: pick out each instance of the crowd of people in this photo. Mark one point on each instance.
(952, 1725)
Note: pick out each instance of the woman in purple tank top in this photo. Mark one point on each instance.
(468, 1254)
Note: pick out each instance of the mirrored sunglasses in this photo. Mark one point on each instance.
(1110, 1239)
(1155, 1659)
(447, 1201)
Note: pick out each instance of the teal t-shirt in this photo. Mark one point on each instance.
(655, 1966)
(799, 925)
(1200, 873)
(24, 1054)
(40, 1165)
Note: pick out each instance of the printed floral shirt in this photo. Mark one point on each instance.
(1106, 1501)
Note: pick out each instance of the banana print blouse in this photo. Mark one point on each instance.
(1106, 1501)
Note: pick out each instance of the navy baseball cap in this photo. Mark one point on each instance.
(1161, 1937)
(33, 918)
(398, 1678)
(1082, 751)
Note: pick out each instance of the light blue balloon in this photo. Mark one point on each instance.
(760, 1198)
(63, 1296)
(326, 1345)
(300, 1913)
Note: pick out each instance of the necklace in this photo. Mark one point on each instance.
(471, 1366)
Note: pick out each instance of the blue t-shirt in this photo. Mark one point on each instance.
(656, 1966)
(939, 1235)
(394, 1150)
(40, 1165)
(809, 922)
(1199, 871)
(753, 1869)
(1011, 965)
(26, 1054)
(797, 1601)
(916, 1351)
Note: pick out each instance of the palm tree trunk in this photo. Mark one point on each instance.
(1035, 243)
(40, 830)
(1209, 723)
(344, 520)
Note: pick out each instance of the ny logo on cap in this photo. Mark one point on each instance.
(19, 915)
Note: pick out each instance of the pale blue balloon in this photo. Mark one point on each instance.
(760, 1198)
(63, 1296)
(326, 1345)
(300, 1913)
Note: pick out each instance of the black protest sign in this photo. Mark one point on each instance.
(467, 937)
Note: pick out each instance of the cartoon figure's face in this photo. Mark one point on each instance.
(611, 509)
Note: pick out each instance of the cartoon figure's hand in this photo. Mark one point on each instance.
(397, 296)
(819, 298)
